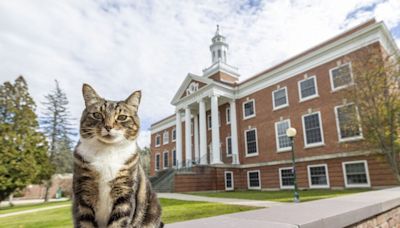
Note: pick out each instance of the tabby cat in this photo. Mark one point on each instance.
(110, 188)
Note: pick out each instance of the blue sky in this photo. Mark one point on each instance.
(121, 46)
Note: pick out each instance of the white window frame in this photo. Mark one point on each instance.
(227, 115)
(159, 144)
(163, 138)
(322, 143)
(248, 179)
(278, 149)
(254, 108)
(155, 162)
(280, 178)
(309, 176)
(273, 99)
(226, 147)
(245, 139)
(367, 185)
(172, 156)
(344, 86)
(163, 159)
(172, 135)
(232, 181)
(301, 99)
(354, 138)
(209, 123)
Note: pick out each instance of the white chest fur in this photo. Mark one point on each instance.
(107, 160)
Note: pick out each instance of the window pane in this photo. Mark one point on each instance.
(280, 97)
(251, 142)
(165, 159)
(229, 146)
(312, 129)
(307, 88)
(341, 76)
(228, 115)
(283, 140)
(356, 173)
(249, 109)
(287, 177)
(157, 161)
(318, 175)
(228, 179)
(174, 157)
(348, 121)
(254, 179)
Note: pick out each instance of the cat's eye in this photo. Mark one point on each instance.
(97, 115)
(122, 117)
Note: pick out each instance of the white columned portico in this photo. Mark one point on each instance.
(203, 132)
(196, 138)
(216, 158)
(178, 131)
(234, 136)
(188, 137)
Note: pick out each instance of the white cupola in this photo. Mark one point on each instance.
(219, 48)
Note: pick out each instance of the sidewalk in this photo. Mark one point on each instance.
(20, 201)
(244, 202)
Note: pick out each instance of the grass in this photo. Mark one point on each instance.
(173, 211)
(281, 196)
(16, 208)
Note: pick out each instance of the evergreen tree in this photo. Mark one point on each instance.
(145, 159)
(56, 124)
(23, 148)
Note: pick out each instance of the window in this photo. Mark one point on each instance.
(253, 180)
(356, 174)
(219, 54)
(282, 141)
(251, 142)
(228, 146)
(318, 176)
(286, 178)
(165, 159)
(279, 98)
(165, 137)
(229, 180)
(158, 140)
(228, 116)
(157, 161)
(174, 158)
(341, 77)
(173, 135)
(249, 109)
(209, 123)
(308, 88)
(348, 122)
(312, 128)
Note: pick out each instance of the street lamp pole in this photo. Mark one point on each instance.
(291, 133)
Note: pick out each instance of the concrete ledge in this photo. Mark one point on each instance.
(336, 212)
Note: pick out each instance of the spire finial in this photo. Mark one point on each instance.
(217, 32)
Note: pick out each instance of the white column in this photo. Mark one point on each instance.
(188, 137)
(203, 132)
(216, 159)
(196, 137)
(234, 136)
(178, 129)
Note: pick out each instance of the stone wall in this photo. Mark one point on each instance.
(388, 219)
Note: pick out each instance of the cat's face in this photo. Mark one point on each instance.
(109, 121)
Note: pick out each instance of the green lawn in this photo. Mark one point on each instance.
(8, 209)
(281, 196)
(173, 211)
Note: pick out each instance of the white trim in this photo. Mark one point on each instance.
(245, 140)
(166, 132)
(155, 143)
(322, 143)
(301, 99)
(354, 138)
(333, 89)
(227, 115)
(254, 109)
(286, 97)
(226, 146)
(248, 179)
(280, 178)
(155, 162)
(367, 185)
(163, 159)
(278, 149)
(326, 173)
(232, 182)
(172, 135)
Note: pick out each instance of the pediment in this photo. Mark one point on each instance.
(190, 85)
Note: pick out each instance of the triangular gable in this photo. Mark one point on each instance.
(192, 87)
(194, 82)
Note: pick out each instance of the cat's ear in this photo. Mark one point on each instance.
(89, 95)
(134, 98)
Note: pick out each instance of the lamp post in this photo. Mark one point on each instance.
(291, 133)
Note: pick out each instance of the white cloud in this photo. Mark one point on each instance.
(121, 46)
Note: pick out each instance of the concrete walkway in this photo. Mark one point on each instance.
(244, 202)
(21, 201)
(33, 210)
(335, 212)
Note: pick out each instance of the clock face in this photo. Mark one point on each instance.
(193, 87)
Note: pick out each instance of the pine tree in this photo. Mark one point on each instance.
(23, 148)
(56, 124)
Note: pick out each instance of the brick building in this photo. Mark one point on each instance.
(230, 134)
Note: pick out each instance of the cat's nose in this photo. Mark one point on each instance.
(108, 128)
